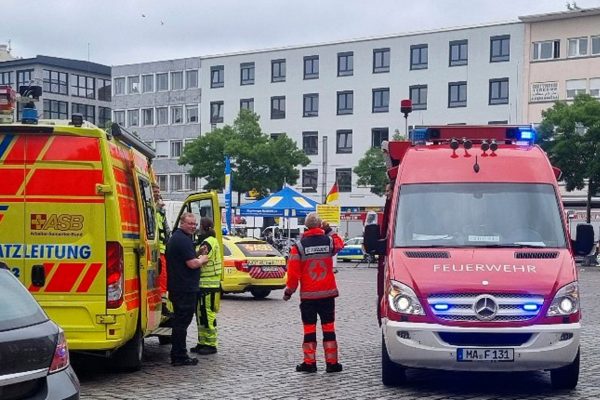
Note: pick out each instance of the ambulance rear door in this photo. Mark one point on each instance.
(64, 229)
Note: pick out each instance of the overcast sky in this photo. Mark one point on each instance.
(115, 32)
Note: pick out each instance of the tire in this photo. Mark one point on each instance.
(129, 357)
(260, 293)
(392, 374)
(163, 340)
(566, 377)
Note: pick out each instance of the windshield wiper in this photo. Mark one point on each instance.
(514, 245)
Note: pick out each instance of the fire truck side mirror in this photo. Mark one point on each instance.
(372, 241)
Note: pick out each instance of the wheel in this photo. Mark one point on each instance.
(260, 293)
(129, 357)
(566, 377)
(392, 374)
(162, 340)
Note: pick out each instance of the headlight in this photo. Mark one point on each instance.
(402, 299)
(566, 301)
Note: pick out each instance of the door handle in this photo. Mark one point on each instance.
(38, 275)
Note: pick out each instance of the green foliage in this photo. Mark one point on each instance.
(372, 172)
(570, 133)
(258, 162)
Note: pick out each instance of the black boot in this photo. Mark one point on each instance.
(337, 367)
(304, 367)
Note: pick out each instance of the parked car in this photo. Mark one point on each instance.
(252, 265)
(353, 251)
(34, 358)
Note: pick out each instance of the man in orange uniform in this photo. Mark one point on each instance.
(310, 265)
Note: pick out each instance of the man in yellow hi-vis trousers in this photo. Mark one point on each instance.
(209, 296)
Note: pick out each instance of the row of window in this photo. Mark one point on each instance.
(343, 142)
(150, 116)
(56, 109)
(169, 148)
(58, 82)
(160, 82)
(177, 182)
(310, 180)
(457, 55)
(457, 97)
(579, 86)
(576, 47)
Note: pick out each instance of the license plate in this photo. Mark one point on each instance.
(270, 269)
(494, 355)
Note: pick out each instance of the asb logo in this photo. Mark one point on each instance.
(56, 222)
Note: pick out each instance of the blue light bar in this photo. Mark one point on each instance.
(531, 307)
(527, 134)
(441, 307)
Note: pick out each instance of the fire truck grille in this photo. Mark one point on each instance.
(536, 254)
(485, 307)
(427, 254)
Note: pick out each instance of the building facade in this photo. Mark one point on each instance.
(561, 59)
(69, 86)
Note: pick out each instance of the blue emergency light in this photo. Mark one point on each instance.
(441, 307)
(531, 307)
(527, 134)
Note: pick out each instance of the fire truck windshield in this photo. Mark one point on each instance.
(478, 215)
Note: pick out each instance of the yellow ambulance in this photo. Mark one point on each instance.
(77, 228)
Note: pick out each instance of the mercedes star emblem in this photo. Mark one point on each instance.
(485, 307)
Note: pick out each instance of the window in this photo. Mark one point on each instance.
(575, 87)
(418, 96)
(381, 60)
(247, 73)
(500, 48)
(310, 143)
(104, 89)
(276, 135)
(148, 208)
(343, 177)
(6, 78)
(191, 183)
(418, 56)
(103, 116)
(278, 107)
(88, 111)
(119, 86)
(498, 91)
(56, 82)
(278, 70)
(54, 109)
(162, 82)
(163, 183)
(83, 86)
(133, 84)
(176, 148)
(459, 50)
(345, 65)
(133, 117)
(381, 100)
(147, 116)
(177, 114)
(595, 87)
(311, 105)
(311, 67)
(191, 79)
(577, 47)
(162, 115)
(595, 45)
(177, 80)
(379, 135)
(216, 112)
(343, 143)
(119, 117)
(345, 102)
(191, 114)
(217, 76)
(309, 180)
(24, 78)
(457, 94)
(162, 148)
(546, 50)
(176, 183)
(247, 104)
(147, 83)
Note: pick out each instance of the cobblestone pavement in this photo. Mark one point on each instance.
(260, 345)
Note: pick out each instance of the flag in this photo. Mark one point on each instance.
(228, 193)
(333, 196)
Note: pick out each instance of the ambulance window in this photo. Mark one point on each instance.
(148, 208)
(202, 208)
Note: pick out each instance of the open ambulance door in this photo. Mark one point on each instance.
(203, 205)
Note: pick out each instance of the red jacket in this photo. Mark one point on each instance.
(310, 264)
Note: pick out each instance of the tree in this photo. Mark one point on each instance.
(258, 162)
(570, 133)
(371, 169)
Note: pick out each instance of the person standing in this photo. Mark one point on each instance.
(310, 266)
(209, 296)
(182, 283)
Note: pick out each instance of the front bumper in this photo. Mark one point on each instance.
(419, 345)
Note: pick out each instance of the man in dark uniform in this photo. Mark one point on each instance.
(183, 278)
